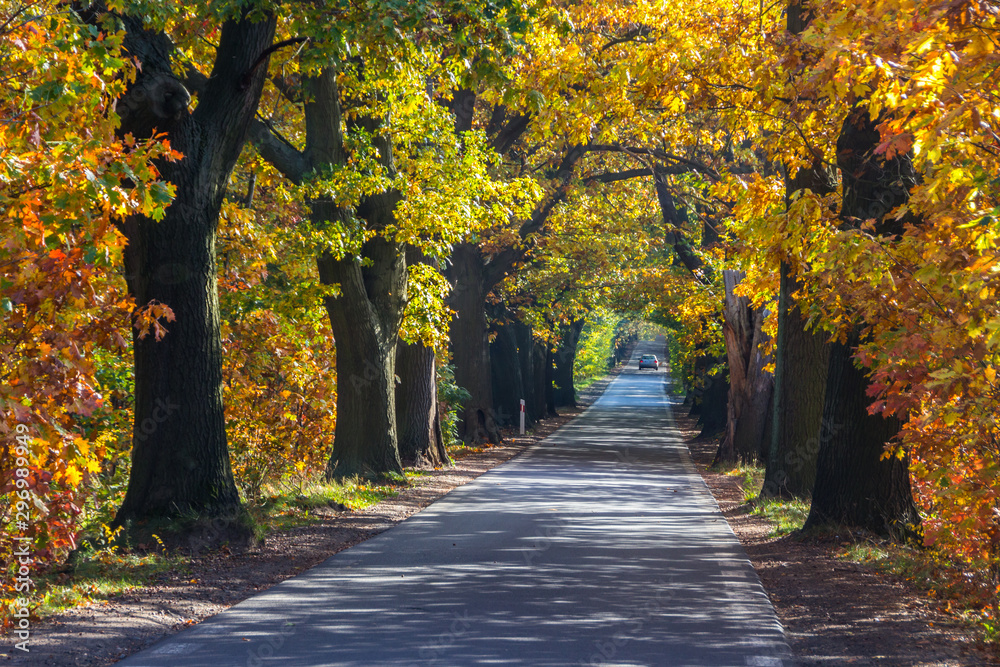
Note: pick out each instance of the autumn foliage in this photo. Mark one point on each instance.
(65, 178)
(715, 102)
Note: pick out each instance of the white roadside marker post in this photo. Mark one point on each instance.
(522, 416)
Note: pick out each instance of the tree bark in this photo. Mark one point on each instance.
(855, 486)
(753, 433)
(180, 458)
(749, 385)
(508, 384)
(365, 319)
(799, 387)
(714, 405)
(470, 344)
(525, 356)
(564, 392)
(417, 421)
(800, 356)
(539, 407)
(550, 381)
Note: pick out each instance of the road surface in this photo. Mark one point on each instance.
(600, 546)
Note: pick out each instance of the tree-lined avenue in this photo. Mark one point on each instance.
(601, 546)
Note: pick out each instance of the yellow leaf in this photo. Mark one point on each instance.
(73, 475)
(82, 446)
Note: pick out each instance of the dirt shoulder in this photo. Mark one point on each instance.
(101, 634)
(835, 612)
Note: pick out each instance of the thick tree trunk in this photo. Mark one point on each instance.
(855, 486)
(800, 356)
(508, 385)
(417, 421)
(525, 359)
(470, 345)
(539, 407)
(799, 387)
(564, 392)
(700, 383)
(180, 459)
(749, 385)
(753, 433)
(367, 309)
(365, 319)
(550, 381)
(714, 405)
(737, 331)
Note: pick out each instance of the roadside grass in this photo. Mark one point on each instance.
(289, 506)
(99, 576)
(785, 515)
(959, 590)
(102, 571)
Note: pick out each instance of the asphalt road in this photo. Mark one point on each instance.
(600, 546)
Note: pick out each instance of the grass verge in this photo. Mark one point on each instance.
(785, 515)
(960, 591)
(103, 572)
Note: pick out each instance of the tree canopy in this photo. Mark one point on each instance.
(247, 210)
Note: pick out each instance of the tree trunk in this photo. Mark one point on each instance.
(714, 410)
(367, 309)
(365, 319)
(800, 356)
(855, 486)
(470, 345)
(737, 330)
(508, 385)
(749, 385)
(799, 387)
(539, 407)
(180, 458)
(525, 357)
(564, 392)
(417, 420)
(550, 381)
(753, 432)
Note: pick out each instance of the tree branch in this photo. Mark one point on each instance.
(262, 58)
(658, 154)
(277, 151)
(511, 131)
(672, 219)
(501, 264)
(615, 176)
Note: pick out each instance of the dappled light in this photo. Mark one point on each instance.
(599, 546)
